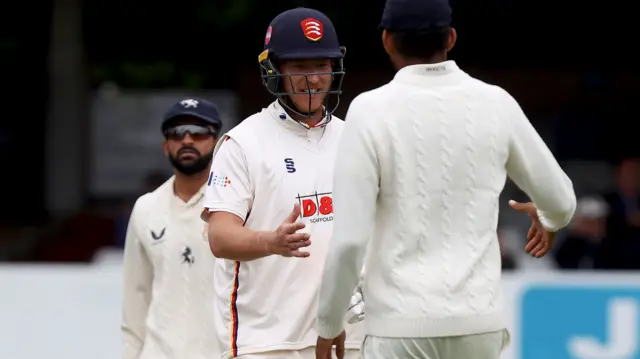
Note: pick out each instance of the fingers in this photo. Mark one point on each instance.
(294, 215)
(296, 237)
(300, 254)
(533, 238)
(289, 228)
(299, 244)
(548, 241)
(516, 205)
(290, 240)
(340, 349)
(527, 207)
(532, 232)
(531, 245)
(540, 243)
(540, 249)
(322, 352)
(292, 249)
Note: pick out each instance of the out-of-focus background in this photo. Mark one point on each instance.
(87, 83)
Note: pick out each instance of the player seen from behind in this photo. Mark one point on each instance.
(424, 159)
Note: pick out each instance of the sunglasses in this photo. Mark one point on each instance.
(195, 131)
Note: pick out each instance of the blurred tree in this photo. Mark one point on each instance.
(67, 125)
(154, 74)
(225, 14)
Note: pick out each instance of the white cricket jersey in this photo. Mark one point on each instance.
(268, 163)
(168, 280)
(423, 160)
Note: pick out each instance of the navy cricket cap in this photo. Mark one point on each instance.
(196, 107)
(302, 33)
(421, 16)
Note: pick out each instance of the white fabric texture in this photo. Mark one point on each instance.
(423, 161)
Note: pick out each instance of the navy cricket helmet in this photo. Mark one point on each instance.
(302, 34)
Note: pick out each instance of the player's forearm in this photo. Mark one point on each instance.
(340, 277)
(535, 170)
(558, 213)
(355, 195)
(236, 242)
(544, 181)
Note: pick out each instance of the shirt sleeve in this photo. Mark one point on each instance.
(355, 192)
(534, 169)
(229, 187)
(138, 278)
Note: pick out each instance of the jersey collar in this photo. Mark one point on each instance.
(447, 71)
(194, 199)
(278, 112)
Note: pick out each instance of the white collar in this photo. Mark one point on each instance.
(280, 114)
(194, 199)
(442, 71)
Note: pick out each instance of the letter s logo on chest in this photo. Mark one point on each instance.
(290, 165)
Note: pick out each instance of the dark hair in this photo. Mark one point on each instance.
(420, 45)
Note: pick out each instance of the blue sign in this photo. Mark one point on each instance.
(580, 322)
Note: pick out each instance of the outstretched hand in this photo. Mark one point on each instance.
(286, 240)
(539, 240)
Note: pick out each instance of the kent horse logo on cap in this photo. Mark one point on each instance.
(312, 29)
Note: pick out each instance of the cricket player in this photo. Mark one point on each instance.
(167, 262)
(423, 159)
(269, 198)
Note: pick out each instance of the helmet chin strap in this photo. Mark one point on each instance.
(292, 109)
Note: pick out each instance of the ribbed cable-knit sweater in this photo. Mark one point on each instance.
(168, 285)
(421, 166)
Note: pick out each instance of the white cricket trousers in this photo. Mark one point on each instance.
(476, 346)
(306, 353)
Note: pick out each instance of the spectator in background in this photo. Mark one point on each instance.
(621, 247)
(581, 247)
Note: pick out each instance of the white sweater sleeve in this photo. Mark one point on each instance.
(534, 169)
(355, 192)
(138, 277)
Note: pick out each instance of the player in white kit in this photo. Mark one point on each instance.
(423, 160)
(167, 261)
(269, 203)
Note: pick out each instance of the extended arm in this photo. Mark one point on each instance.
(228, 199)
(534, 169)
(229, 239)
(355, 194)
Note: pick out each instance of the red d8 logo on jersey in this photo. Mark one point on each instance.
(318, 207)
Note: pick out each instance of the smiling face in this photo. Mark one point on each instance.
(307, 80)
